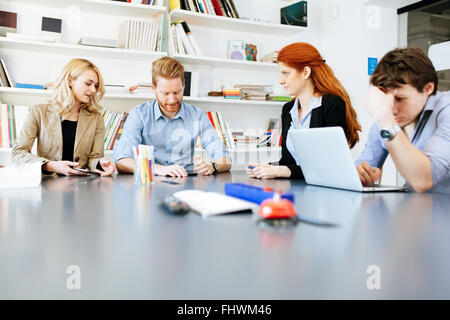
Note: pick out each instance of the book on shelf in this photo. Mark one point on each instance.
(12, 119)
(184, 40)
(224, 8)
(98, 42)
(109, 87)
(149, 2)
(8, 22)
(242, 50)
(270, 57)
(5, 77)
(113, 127)
(142, 34)
(141, 88)
(174, 4)
(295, 14)
(279, 98)
(222, 128)
(191, 38)
(232, 93)
(254, 92)
(191, 84)
(30, 86)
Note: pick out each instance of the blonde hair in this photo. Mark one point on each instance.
(168, 68)
(63, 98)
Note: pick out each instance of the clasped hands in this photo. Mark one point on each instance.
(201, 167)
(67, 168)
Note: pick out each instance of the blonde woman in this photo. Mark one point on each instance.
(69, 129)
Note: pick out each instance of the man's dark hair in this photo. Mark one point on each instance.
(404, 66)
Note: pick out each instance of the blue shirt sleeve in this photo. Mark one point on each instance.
(211, 142)
(437, 148)
(131, 136)
(374, 151)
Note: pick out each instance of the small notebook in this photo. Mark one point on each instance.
(213, 203)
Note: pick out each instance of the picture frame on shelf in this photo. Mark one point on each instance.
(243, 50)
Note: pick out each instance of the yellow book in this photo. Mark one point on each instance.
(174, 4)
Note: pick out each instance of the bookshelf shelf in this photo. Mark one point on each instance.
(232, 24)
(105, 6)
(70, 49)
(233, 102)
(11, 95)
(226, 63)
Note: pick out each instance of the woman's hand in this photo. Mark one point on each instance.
(108, 167)
(62, 167)
(262, 171)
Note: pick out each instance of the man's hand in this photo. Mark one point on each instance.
(172, 171)
(380, 104)
(262, 171)
(108, 167)
(63, 167)
(203, 167)
(368, 174)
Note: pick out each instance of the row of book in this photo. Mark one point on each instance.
(222, 128)
(253, 92)
(142, 34)
(12, 119)
(158, 3)
(183, 40)
(113, 127)
(225, 8)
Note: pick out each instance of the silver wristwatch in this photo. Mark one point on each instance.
(390, 132)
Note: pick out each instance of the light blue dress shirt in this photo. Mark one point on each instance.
(303, 124)
(431, 135)
(173, 139)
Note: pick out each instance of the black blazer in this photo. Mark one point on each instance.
(330, 114)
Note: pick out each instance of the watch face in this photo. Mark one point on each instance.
(386, 134)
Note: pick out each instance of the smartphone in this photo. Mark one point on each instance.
(85, 171)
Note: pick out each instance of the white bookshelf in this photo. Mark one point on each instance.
(104, 6)
(122, 66)
(226, 63)
(73, 49)
(232, 24)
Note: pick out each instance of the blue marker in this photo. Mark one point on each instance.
(251, 167)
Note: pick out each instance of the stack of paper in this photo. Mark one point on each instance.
(25, 176)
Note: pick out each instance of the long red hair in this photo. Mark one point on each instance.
(300, 55)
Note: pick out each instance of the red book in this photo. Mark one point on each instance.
(217, 7)
(117, 131)
(210, 118)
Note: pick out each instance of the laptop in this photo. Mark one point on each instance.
(325, 159)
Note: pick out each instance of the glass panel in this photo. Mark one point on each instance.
(430, 25)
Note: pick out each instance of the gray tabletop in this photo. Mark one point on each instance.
(387, 245)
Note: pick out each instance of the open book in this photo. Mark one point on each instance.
(213, 203)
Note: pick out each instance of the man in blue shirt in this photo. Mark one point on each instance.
(172, 127)
(412, 122)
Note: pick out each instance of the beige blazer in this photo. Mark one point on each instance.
(44, 123)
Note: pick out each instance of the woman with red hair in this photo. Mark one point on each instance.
(320, 101)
